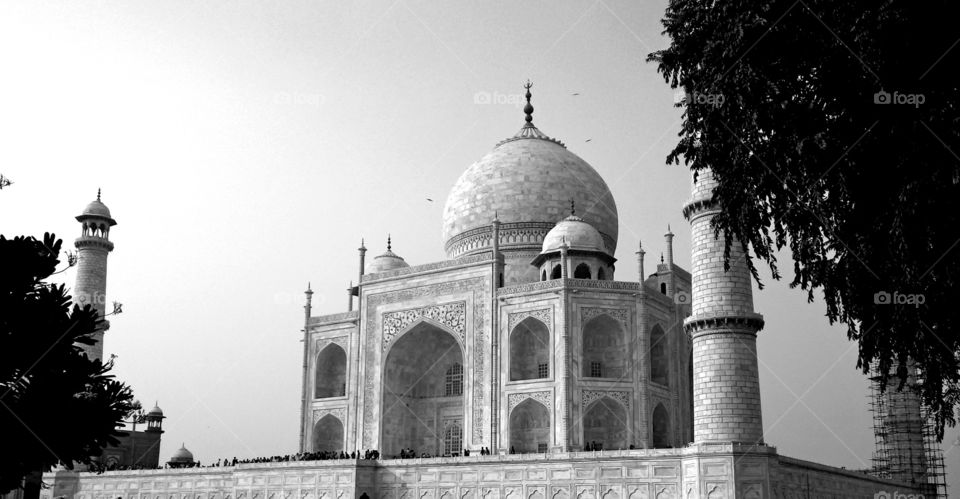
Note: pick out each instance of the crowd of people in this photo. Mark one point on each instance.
(405, 453)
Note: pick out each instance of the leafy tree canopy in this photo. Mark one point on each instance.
(56, 404)
(832, 129)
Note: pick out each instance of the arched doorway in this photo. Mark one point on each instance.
(661, 428)
(529, 427)
(331, 373)
(605, 423)
(604, 349)
(529, 350)
(328, 434)
(422, 391)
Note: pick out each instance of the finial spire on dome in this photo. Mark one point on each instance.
(573, 207)
(661, 257)
(389, 243)
(98, 194)
(528, 109)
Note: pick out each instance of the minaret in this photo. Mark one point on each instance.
(723, 326)
(93, 246)
(671, 277)
(640, 254)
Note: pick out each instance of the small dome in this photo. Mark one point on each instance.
(182, 455)
(385, 262)
(156, 411)
(96, 208)
(576, 233)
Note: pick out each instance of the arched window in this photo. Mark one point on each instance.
(604, 349)
(454, 383)
(661, 428)
(543, 275)
(556, 273)
(529, 350)
(452, 439)
(663, 288)
(331, 373)
(601, 275)
(582, 271)
(659, 366)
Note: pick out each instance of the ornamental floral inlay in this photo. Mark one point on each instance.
(620, 314)
(545, 398)
(590, 396)
(452, 315)
(543, 315)
(337, 412)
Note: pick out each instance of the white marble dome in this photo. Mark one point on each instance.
(529, 178)
(385, 262)
(576, 233)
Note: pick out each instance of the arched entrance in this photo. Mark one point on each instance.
(529, 427)
(605, 423)
(328, 434)
(422, 391)
(661, 428)
(331, 373)
(529, 350)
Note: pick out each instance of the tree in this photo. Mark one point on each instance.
(832, 129)
(56, 404)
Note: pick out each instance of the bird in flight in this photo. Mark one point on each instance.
(588, 140)
(576, 93)
(428, 199)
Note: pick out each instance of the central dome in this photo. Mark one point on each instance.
(526, 182)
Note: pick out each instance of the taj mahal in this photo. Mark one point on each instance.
(532, 364)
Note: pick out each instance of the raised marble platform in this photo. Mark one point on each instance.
(704, 471)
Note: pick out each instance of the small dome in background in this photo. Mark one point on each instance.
(156, 411)
(181, 456)
(387, 261)
(576, 233)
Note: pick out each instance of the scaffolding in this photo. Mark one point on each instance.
(906, 447)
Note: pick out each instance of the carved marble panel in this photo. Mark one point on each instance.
(544, 397)
(588, 397)
(337, 412)
(321, 343)
(451, 315)
(544, 315)
(619, 314)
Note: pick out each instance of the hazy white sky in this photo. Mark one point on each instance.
(246, 147)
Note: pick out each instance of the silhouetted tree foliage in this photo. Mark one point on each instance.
(832, 129)
(56, 404)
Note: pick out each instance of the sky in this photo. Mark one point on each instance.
(245, 148)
